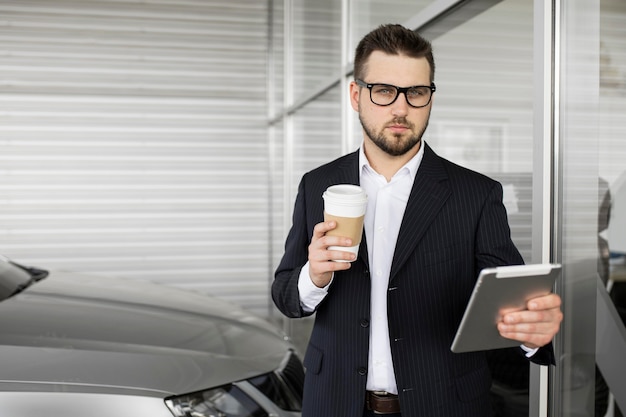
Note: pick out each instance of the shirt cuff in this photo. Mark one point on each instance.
(310, 294)
(529, 352)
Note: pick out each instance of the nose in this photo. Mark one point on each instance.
(400, 106)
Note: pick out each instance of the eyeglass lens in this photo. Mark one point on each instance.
(384, 95)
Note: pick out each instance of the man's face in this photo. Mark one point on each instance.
(397, 128)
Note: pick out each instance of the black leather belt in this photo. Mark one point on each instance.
(382, 402)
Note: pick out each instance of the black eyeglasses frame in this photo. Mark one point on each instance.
(399, 90)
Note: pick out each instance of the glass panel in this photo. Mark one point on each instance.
(612, 124)
(612, 192)
(278, 209)
(579, 207)
(316, 140)
(594, 174)
(316, 31)
(482, 112)
(277, 56)
(482, 118)
(317, 133)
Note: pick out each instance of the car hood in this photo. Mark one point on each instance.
(76, 332)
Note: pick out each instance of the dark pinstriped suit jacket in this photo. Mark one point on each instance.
(454, 225)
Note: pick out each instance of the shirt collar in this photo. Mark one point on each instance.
(411, 166)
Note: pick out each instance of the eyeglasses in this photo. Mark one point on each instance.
(386, 94)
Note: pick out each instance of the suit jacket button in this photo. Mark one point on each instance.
(365, 323)
(362, 371)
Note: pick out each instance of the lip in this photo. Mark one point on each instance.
(398, 128)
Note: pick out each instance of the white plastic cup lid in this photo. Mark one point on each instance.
(345, 194)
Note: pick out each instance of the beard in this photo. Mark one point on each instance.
(395, 144)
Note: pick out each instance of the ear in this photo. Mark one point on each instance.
(355, 91)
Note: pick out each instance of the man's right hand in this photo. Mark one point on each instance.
(321, 265)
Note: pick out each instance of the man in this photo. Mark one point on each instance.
(385, 321)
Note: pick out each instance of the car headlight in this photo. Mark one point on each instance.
(225, 401)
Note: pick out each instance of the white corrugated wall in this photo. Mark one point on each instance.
(133, 141)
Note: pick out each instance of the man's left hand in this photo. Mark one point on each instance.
(535, 326)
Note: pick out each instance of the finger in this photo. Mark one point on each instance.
(320, 229)
(319, 249)
(341, 255)
(531, 340)
(532, 329)
(552, 316)
(538, 338)
(337, 266)
(528, 333)
(529, 327)
(545, 302)
(323, 254)
(325, 268)
(321, 271)
(324, 242)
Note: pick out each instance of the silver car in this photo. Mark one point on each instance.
(73, 345)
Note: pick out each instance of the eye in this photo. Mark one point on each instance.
(418, 91)
(385, 90)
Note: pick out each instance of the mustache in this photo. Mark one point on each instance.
(402, 121)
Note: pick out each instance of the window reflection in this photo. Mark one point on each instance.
(612, 154)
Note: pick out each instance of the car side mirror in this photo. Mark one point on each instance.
(15, 278)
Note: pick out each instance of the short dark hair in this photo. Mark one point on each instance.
(393, 39)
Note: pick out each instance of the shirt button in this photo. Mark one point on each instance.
(365, 323)
(362, 371)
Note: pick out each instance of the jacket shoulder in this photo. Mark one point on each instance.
(342, 161)
(456, 173)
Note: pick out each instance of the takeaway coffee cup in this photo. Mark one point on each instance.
(345, 204)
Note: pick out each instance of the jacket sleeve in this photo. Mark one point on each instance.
(495, 248)
(285, 286)
(544, 356)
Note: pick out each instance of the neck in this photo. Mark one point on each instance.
(385, 164)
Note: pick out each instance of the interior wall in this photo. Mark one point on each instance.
(133, 141)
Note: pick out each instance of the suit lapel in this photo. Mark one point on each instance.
(429, 193)
(348, 170)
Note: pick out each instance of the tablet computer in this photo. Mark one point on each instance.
(498, 289)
